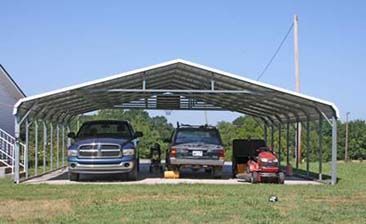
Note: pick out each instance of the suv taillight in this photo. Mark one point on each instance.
(221, 153)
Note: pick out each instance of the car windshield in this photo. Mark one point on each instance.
(104, 130)
(198, 136)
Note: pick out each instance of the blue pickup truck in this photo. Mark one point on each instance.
(104, 147)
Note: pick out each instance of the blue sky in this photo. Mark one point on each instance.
(47, 45)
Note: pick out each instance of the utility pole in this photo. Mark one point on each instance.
(206, 119)
(346, 143)
(297, 73)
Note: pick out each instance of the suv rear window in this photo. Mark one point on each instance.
(104, 129)
(194, 135)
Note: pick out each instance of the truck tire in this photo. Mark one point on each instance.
(133, 175)
(74, 176)
(217, 172)
(138, 164)
(281, 178)
(233, 169)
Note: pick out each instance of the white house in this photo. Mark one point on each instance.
(10, 93)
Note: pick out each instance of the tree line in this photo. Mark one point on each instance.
(157, 128)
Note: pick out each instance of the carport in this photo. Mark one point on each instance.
(173, 85)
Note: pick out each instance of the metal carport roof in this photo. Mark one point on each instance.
(173, 85)
(180, 85)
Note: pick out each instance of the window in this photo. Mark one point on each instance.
(198, 136)
(108, 129)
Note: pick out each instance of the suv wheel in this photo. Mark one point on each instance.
(74, 176)
(217, 172)
(281, 178)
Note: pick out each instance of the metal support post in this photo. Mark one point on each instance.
(44, 145)
(265, 133)
(16, 150)
(334, 152)
(320, 150)
(26, 149)
(297, 150)
(57, 146)
(307, 146)
(35, 147)
(288, 144)
(272, 137)
(77, 122)
(346, 158)
(279, 144)
(68, 139)
(51, 146)
(63, 145)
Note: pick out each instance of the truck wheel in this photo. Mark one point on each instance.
(138, 164)
(217, 172)
(133, 175)
(281, 178)
(74, 176)
(233, 169)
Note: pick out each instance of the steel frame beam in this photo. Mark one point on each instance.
(308, 147)
(44, 145)
(320, 149)
(279, 143)
(288, 144)
(63, 145)
(334, 152)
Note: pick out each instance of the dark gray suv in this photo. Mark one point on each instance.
(196, 147)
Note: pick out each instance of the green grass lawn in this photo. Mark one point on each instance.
(343, 203)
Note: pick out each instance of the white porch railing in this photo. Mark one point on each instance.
(7, 151)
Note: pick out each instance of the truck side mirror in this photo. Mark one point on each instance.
(138, 134)
(71, 135)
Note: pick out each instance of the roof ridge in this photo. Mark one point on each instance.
(12, 80)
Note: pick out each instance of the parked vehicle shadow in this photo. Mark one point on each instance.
(144, 173)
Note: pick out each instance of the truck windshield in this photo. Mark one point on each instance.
(198, 136)
(104, 130)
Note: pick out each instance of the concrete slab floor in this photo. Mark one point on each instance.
(60, 177)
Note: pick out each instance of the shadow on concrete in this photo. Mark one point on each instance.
(145, 174)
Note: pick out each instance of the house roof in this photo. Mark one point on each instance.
(8, 82)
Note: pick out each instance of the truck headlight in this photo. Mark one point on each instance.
(72, 153)
(128, 152)
(265, 160)
(275, 160)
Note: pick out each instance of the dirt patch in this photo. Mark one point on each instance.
(31, 211)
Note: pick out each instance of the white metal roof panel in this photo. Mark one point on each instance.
(198, 86)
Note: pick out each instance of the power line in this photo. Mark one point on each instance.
(276, 52)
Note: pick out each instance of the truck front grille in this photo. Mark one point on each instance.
(99, 151)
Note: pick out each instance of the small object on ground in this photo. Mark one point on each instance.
(273, 198)
(155, 158)
(171, 174)
(241, 167)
